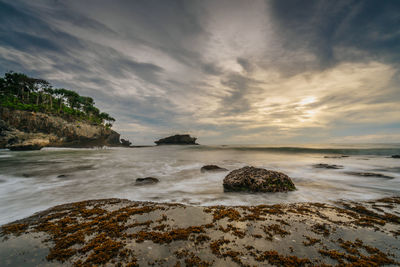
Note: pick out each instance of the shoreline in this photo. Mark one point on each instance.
(131, 233)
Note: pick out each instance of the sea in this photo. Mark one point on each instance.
(31, 181)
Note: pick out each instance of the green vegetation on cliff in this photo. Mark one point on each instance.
(18, 91)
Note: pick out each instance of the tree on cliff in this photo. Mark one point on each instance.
(18, 91)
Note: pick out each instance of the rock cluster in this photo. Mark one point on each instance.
(178, 139)
(257, 180)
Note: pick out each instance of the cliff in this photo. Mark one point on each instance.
(183, 139)
(21, 130)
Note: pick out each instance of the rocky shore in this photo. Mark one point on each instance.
(125, 233)
(25, 130)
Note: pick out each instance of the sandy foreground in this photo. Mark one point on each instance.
(125, 233)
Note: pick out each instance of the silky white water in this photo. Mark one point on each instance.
(29, 180)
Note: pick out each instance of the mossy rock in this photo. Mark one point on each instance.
(253, 179)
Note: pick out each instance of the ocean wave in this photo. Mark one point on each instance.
(382, 151)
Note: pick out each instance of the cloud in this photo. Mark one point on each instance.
(365, 28)
(245, 63)
(227, 71)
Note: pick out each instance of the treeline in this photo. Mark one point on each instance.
(18, 91)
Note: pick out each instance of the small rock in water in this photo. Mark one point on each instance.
(146, 180)
(125, 142)
(336, 157)
(396, 156)
(257, 180)
(369, 174)
(24, 147)
(212, 168)
(328, 166)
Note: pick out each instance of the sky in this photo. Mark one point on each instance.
(227, 72)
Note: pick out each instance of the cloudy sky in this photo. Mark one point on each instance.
(228, 72)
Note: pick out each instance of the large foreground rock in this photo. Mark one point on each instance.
(257, 180)
(179, 139)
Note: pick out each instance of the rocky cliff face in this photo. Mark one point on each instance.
(32, 130)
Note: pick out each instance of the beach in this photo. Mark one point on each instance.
(32, 181)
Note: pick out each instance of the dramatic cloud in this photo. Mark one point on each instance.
(226, 71)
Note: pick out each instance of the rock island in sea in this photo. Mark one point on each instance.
(178, 139)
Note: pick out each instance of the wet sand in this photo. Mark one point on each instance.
(126, 233)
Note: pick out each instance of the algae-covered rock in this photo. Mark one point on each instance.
(119, 232)
(257, 180)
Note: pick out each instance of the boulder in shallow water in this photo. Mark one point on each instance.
(328, 166)
(257, 180)
(146, 180)
(212, 168)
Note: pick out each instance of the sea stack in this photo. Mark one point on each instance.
(178, 139)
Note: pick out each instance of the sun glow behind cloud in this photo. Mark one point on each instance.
(314, 99)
